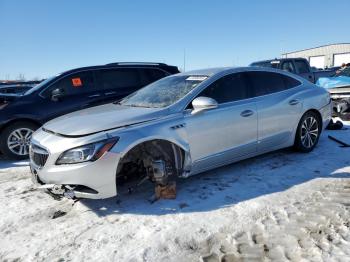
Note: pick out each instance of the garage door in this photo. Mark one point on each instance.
(317, 61)
(339, 59)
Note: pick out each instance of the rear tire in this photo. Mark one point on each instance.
(15, 139)
(308, 132)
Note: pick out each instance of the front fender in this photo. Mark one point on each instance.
(171, 130)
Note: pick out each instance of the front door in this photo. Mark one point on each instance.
(222, 135)
(79, 91)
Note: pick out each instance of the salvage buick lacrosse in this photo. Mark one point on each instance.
(180, 125)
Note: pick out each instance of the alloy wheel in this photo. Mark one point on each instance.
(18, 141)
(309, 132)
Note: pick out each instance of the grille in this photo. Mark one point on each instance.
(38, 155)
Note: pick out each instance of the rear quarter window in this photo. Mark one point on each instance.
(290, 82)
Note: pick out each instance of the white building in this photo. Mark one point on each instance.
(324, 56)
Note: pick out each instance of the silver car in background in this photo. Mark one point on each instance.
(181, 125)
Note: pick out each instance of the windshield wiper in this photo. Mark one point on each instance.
(135, 105)
(131, 105)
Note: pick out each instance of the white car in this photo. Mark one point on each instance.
(178, 126)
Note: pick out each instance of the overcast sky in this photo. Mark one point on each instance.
(43, 38)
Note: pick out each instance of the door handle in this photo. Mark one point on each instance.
(294, 102)
(247, 113)
(96, 95)
(110, 93)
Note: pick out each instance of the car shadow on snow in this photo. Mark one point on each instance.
(232, 184)
(5, 163)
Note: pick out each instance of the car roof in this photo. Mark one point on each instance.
(220, 70)
(207, 71)
(278, 59)
(168, 68)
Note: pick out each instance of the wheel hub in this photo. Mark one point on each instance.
(19, 140)
(309, 132)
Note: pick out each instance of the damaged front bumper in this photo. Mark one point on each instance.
(54, 189)
(95, 180)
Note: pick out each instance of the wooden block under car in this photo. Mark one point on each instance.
(166, 192)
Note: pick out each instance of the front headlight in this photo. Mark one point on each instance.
(90, 152)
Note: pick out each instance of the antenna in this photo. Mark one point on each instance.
(184, 65)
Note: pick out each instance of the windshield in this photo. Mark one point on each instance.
(38, 86)
(164, 92)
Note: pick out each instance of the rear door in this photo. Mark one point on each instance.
(116, 83)
(223, 134)
(150, 75)
(303, 69)
(279, 107)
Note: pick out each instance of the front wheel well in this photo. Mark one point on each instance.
(138, 158)
(20, 120)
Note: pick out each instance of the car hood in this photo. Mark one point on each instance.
(5, 98)
(333, 82)
(14, 90)
(101, 118)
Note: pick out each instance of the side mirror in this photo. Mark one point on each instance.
(203, 103)
(57, 94)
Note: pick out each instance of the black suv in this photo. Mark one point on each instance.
(22, 114)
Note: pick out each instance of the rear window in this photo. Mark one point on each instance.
(290, 82)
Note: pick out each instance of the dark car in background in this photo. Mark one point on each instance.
(14, 89)
(298, 66)
(22, 113)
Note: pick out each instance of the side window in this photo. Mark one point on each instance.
(290, 82)
(288, 66)
(150, 75)
(228, 89)
(122, 79)
(78, 83)
(302, 66)
(265, 83)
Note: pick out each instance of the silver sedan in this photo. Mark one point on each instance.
(180, 126)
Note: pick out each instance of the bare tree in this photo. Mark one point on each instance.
(36, 78)
(21, 77)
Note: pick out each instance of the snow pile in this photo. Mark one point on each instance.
(279, 206)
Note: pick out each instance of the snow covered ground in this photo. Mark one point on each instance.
(279, 206)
